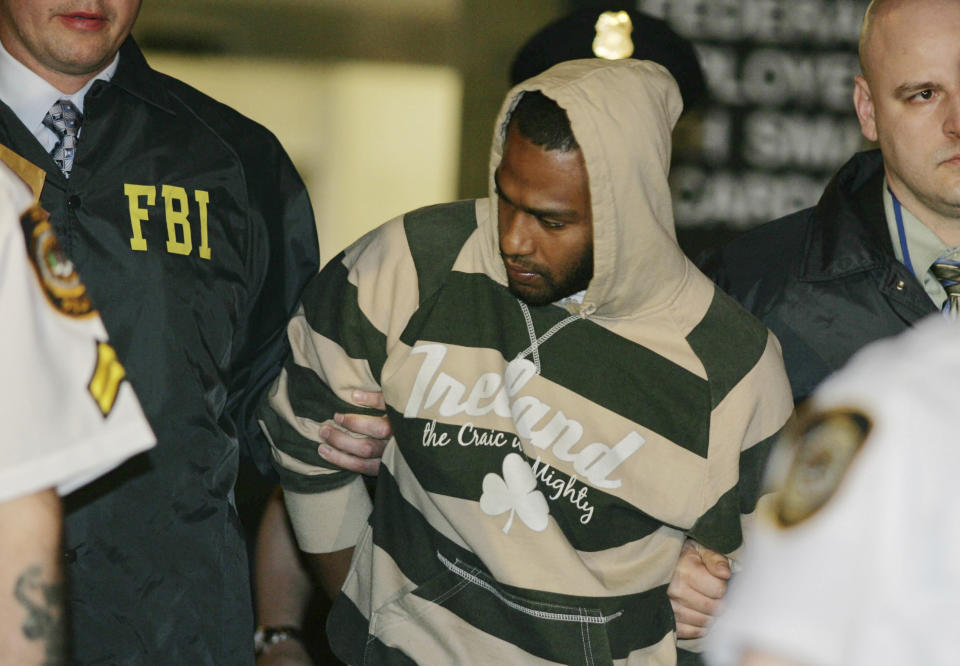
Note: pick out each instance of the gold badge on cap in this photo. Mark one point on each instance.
(613, 40)
(825, 445)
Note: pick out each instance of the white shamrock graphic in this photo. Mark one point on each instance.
(516, 492)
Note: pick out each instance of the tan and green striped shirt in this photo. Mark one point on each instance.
(531, 507)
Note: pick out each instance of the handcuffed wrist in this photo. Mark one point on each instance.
(265, 636)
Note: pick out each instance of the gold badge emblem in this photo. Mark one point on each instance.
(613, 40)
(826, 445)
(57, 274)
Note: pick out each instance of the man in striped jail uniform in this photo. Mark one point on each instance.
(570, 398)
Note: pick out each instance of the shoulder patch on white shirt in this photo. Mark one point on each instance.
(58, 276)
(824, 444)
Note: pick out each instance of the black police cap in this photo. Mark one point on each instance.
(572, 37)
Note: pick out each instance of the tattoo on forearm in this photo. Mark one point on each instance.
(44, 603)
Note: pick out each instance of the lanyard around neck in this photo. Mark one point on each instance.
(901, 232)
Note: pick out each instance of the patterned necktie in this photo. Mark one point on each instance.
(948, 272)
(64, 119)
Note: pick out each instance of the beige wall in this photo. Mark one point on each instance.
(371, 140)
(406, 91)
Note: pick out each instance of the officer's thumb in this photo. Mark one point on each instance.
(716, 563)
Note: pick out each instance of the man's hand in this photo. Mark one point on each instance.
(359, 449)
(697, 587)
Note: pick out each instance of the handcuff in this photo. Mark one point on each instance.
(265, 636)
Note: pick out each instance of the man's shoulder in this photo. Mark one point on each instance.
(431, 229)
(203, 105)
(136, 75)
(849, 201)
(244, 135)
(393, 269)
(445, 225)
(847, 222)
(430, 237)
(761, 252)
(729, 341)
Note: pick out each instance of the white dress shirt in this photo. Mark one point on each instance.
(30, 96)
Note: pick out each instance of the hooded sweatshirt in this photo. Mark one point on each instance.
(547, 462)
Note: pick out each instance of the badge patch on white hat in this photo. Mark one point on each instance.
(826, 443)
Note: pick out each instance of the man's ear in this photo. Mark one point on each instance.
(863, 103)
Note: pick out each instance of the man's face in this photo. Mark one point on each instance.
(66, 41)
(545, 220)
(910, 103)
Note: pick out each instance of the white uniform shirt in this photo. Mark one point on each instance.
(65, 412)
(873, 575)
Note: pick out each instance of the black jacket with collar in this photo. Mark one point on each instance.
(194, 235)
(825, 279)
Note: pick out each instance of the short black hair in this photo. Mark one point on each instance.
(543, 122)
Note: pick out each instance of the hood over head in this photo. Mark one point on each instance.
(622, 113)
